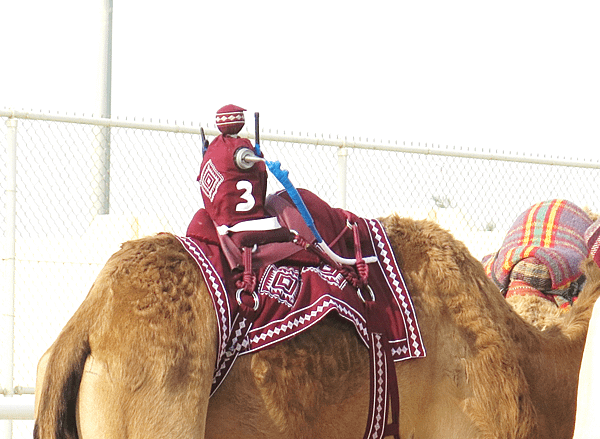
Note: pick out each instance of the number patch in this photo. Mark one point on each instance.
(249, 201)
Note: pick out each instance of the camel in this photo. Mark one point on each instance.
(136, 359)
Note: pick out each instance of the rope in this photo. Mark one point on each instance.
(357, 278)
(361, 265)
(248, 280)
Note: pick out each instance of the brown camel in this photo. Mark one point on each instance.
(136, 360)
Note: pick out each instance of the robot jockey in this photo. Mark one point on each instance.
(234, 190)
(233, 183)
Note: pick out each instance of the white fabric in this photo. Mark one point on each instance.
(270, 223)
(587, 422)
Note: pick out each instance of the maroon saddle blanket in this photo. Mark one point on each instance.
(293, 297)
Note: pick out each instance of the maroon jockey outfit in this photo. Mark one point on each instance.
(231, 195)
(234, 194)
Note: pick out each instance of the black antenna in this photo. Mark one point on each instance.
(204, 141)
(257, 135)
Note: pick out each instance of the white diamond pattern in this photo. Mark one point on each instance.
(220, 302)
(399, 286)
(381, 390)
(210, 180)
(230, 117)
(305, 319)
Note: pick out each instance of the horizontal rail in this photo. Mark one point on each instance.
(337, 142)
(100, 121)
(17, 407)
(19, 390)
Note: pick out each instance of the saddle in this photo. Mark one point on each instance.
(268, 286)
(278, 246)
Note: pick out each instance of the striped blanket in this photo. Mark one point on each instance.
(543, 250)
(592, 237)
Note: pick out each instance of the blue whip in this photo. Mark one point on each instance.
(283, 176)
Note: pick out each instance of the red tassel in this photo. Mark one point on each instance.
(248, 281)
(361, 266)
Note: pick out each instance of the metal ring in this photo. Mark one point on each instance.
(296, 235)
(238, 297)
(371, 293)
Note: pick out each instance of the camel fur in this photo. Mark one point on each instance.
(136, 359)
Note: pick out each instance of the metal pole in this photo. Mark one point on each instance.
(342, 181)
(7, 304)
(101, 172)
(19, 407)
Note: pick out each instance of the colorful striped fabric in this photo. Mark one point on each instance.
(549, 235)
(592, 237)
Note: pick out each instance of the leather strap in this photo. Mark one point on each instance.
(384, 384)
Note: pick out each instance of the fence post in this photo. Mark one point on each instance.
(101, 171)
(7, 304)
(342, 166)
(102, 134)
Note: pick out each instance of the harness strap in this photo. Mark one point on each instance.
(384, 393)
(344, 230)
(357, 278)
(384, 384)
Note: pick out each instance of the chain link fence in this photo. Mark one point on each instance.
(71, 214)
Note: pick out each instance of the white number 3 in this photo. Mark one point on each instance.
(249, 201)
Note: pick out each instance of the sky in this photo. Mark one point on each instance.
(512, 76)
